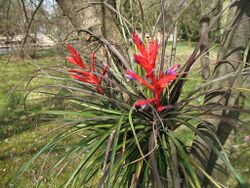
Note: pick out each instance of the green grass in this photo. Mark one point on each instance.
(19, 130)
(14, 74)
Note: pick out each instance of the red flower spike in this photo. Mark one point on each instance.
(139, 44)
(161, 75)
(99, 89)
(173, 69)
(139, 79)
(75, 57)
(164, 81)
(88, 78)
(153, 51)
(144, 64)
(161, 108)
(92, 65)
(85, 76)
(141, 103)
(146, 59)
(170, 76)
(71, 49)
(104, 70)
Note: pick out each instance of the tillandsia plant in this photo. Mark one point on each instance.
(129, 113)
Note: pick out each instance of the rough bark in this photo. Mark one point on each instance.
(89, 15)
(209, 12)
(205, 68)
(230, 59)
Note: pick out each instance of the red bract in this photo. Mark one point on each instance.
(85, 76)
(75, 57)
(146, 59)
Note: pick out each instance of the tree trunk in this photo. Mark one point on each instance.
(209, 12)
(230, 59)
(89, 15)
(174, 45)
(205, 69)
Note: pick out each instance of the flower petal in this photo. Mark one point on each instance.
(153, 51)
(161, 108)
(78, 77)
(75, 57)
(164, 81)
(104, 70)
(71, 60)
(139, 44)
(170, 76)
(139, 79)
(173, 69)
(92, 65)
(142, 102)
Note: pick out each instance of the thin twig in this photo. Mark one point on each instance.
(163, 38)
(25, 11)
(107, 154)
(30, 23)
(152, 143)
(110, 46)
(158, 18)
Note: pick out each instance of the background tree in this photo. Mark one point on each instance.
(230, 60)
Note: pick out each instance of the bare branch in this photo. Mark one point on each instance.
(30, 23)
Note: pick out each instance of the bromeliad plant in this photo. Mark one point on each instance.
(132, 158)
(128, 127)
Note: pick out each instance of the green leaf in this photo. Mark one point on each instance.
(117, 132)
(94, 146)
(182, 153)
(96, 108)
(48, 146)
(133, 130)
